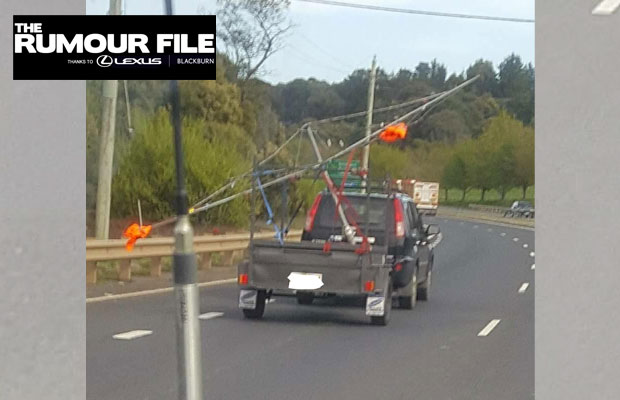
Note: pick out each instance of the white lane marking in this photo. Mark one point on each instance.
(462, 223)
(525, 245)
(523, 287)
(489, 230)
(532, 254)
(475, 226)
(503, 234)
(515, 239)
(533, 267)
(271, 301)
(154, 291)
(132, 334)
(210, 315)
(490, 326)
(606, 7)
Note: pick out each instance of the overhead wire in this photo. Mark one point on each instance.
(419, 12)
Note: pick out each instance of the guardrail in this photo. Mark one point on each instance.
(485, 208)
(156, 248)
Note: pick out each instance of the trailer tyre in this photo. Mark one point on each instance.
(305, 298)
(257, 313)
(385, 318)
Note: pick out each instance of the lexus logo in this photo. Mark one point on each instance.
(104, 61)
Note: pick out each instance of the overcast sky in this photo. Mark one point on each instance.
(329, 42)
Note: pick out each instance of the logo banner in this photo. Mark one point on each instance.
(79, 47)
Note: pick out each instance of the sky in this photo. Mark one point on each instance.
(329, 42)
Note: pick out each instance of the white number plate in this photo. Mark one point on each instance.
(305, 281)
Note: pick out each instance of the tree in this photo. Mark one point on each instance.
(516, 86)
(455, 175)
(438, 75)
(524, 158)
(252, 31)
(487, 83)
(503, 167)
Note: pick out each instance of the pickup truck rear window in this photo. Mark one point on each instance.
(327, 217)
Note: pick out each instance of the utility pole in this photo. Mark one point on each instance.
(106, 148)
(371, 100)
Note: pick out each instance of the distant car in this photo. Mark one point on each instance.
(520, 209)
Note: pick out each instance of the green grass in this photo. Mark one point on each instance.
(491, 197)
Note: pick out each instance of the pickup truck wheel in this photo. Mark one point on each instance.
(425, 288)
(408, 302)
(257, 313)
(305, 298)
(385, 318)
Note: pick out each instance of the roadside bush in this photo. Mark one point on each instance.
(147, 172)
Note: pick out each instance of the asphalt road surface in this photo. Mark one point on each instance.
(438, 350)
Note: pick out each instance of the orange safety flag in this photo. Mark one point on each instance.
(135, 232)
(393, 133)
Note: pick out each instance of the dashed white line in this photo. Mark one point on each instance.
(132, 334)
(475, 226)
(271, 301)
(489, 230)
(525, 245)
(523, 287)
(515, 239)
(503, 234)
(533, 267)
(490, 326)
(532, 254)
(210, 315)
(606, 7)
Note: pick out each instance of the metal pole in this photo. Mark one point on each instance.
(140, 212)
(371, 100)
(349, 231)
(106, 149)
(189, 348)
(129, 126)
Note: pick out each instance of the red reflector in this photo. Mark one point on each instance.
(243, 279)
(398, 267)
(369, 286)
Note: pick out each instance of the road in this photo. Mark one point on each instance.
(329, 350)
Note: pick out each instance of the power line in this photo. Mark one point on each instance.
(325, 51)
(418, 12)
(297, 53)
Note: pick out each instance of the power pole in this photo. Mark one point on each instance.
(106, 148)
(371, 100)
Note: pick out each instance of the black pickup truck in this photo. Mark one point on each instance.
(397, 261)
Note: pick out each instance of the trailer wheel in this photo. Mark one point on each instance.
(385, 318)
(305, 298)
(257, 313)
(408, 302)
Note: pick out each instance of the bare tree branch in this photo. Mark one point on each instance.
(252, 31)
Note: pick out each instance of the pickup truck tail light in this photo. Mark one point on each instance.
(369, 286)
(399, 223)
(312, 213)
(243, 279)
